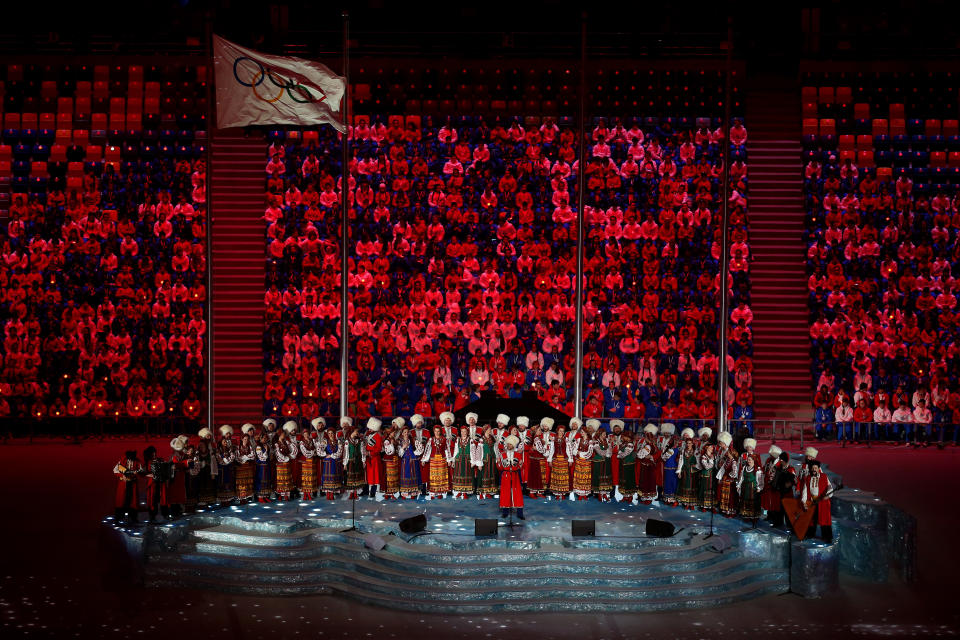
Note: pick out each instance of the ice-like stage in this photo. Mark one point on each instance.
(301, 548)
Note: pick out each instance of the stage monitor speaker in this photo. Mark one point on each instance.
(659, 528)
(373, 541)
(583, 527)
(485, 527)
(414, 524)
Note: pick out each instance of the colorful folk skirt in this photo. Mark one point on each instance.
(391, 476)
(263, 480)
(284, 481)
(707, 491)
(670, 481)
(331, 475)
(409, 474)
(583, 477)
(535, 472)
(463, 475)
(487, 476)
(602, 480)
(355, 476)
(245, 480)
(628, 475)
(647, 479)
(560, 475)
(308, 476)
(226, 483)
(727, 497)
(687, 486)
(439, 474)
(207, 493)
(749, 502)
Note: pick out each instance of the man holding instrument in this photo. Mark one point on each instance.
(815, 492)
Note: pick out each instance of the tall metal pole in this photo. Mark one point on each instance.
(723, 322)
(208, 185)
(582, 144)
(345, 222)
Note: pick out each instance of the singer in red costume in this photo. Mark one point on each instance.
(510, 463)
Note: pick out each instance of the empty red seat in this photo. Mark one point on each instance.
(846, 142)
(938, 159)
(880, 126)
(865, 157)
(825, 95)
(861, 111)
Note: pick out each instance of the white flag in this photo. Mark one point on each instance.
(259, 89)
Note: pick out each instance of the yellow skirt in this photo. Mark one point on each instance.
(560, 475)
(283, 477)
(245, 480)
(439, 474)
(391, 482)
(308, 476)
(583, 477)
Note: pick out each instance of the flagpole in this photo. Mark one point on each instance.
(208, 206)
(723, 320)
(578, 344)
(345, 221)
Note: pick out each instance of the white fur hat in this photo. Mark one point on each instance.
(290, 426)
(705, 432)
(398, 422)
(346, 421)
(523, 421)
(616, 423)
(176, 444)
(471, 415)
(576, 423)
(725, 438)
(514, 440)
(318, 423)
(445, 416)
(687, 433)
(775, 450)
(183, 439)
(503, 419)
(247, 428)
(270, 422)
(226, 430)
(547, 423)
(374, 424)
(668, 428)
(416, 419)
(810, 452)
(749, 443)
(593, 424)
(650, 428)
(205, 433)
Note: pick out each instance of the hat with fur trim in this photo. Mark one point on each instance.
(445, 417)
(523, 421)
(374, 424)
(290, 426)
(725, 438)
(503, 419)
(668, 428)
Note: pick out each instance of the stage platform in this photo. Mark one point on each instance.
(304, 547)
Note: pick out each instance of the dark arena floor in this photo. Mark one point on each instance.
(60, 581)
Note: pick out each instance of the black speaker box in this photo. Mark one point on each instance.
(414, 524)
(583, 527)
(485, 527)
(659, 528)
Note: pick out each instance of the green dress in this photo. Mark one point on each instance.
(749, 496)
(354, 472)
(462, 471)
(488, 474)
(687, 488)
(602, 473)
(628, 474)
(707, 488)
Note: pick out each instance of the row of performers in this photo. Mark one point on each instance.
(578, 461)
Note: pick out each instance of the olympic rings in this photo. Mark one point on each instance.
(296, 91)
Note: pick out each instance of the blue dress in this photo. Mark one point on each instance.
(670, 478)
(409, 471)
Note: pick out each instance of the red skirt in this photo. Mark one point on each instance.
(535, 481)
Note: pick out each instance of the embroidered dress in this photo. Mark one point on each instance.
(391, 468)
(687, 482)
(536, 464)
(462, 468)
(560, 468)
(284, 482)
(583, 469)
(646, 473)
(602, 480)
(706, 483)
(726, 489)
(263, 477)
(410, 469)
(628, 470)
(226, 479)
(308, 470)
(487, 469)
(749, 487)
(331, 471)
(439, 480)
(244, 473)
(671, 480)
(353, 466)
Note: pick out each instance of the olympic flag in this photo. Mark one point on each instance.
(259, 89)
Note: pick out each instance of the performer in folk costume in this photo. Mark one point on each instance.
(419, 435)
(127, 498)
(749, 488)
(687, 471)
(628, 468)
(535, 459)
(177, 486)
(192, 479)
(616, 433)
(813, 495)
(502, 430)
(207, 478)
(550, 450)
(483, 460)
(703, 439)
(244, 464)
(669, 448)
(510, 463)
(156, 470)
(601, 475)
(410, 450)
(582, 448)
(785, 480)
(226, 473)
(728, 472)
(707, 479)
(526, 443)
(647, 457)
(372, 456)
(450, 431)
(436, 455)
(473, 428)
(809, 456)
(462, 467)
(331, 468)
(353, 452)
(770, 497)
(319, 426)
(561, 465)
(307, 482)
(264, 455)
(284, 467)
(391, 460)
